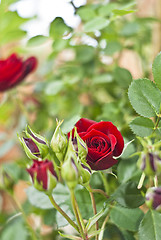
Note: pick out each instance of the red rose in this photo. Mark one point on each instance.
(13, 70)
(42, 171)
(103, 141)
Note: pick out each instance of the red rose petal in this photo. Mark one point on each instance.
(83, 124)
(103, 163)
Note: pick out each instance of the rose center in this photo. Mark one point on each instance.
(97, 143)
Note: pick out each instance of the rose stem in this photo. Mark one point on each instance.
(99, 191)
(56, 206)
(19, 207)
(77, 215)
(105, 182)
(94, 210)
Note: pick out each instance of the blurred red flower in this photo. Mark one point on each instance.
(13, 70)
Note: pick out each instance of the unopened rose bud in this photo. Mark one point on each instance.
(40, 142)
(153, 198)
(6, 181)
(30, 148)
(150, 163)
(85, 174)
(43, 175)
(69, 173)
(59, 142)
(69, 169)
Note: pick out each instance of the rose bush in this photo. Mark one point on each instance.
(103, 140)
(13, 70)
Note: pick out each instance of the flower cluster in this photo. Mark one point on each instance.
(89, 146)
(13, 70)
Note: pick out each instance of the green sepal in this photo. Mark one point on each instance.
(82, 146)
(85, 174)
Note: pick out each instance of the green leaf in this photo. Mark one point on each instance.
(49, 216)
(112, 47)
(54, 87)
(127, 195)
(67, 208)
(86, 13)
(59, 44)
(106, 10)
(145, 97)
(125, 218)
(102, 78)
(95, 218)
(142, 126)
(112, 232)
(15, 230)
(128, 150)
(150, 226)
(130, 29)
(68, 124)
(123, 77)
(127, 235)
(58, 28)
(84, 53)
(69, 236)
(12, 36)
(84, 202)
(156, 68)
(38, 199)
(97, 23)
(128, 170)
(13, 170)
(37, 40)
(119, 12)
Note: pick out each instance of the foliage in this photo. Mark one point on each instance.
(79, 75)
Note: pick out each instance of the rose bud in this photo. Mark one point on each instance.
(103, 140)
(59, 142)
(153, 198)
(69, 173)
(43, 175)
(13, 70)
(69, 169)
(150, 163)
(85, 174)
(30, 148)
(6, 181)
(40, 142)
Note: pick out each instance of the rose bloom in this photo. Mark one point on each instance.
(103, 140)
(13, 70)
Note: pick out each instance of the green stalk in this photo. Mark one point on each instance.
(18, 206)
(105, 182)
(94, 210)
(77, 214)
(56, 206)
